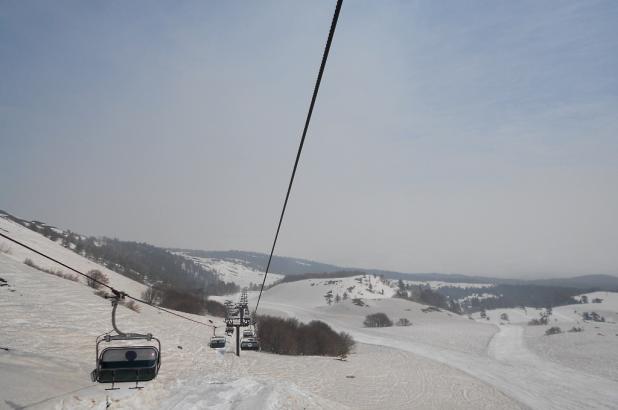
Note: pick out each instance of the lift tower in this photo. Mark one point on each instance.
(238, 316)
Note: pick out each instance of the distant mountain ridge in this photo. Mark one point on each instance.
(297, 266)
(601, 282)
(280, 264)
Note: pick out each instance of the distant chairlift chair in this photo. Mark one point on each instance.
(126, 363)
(217, 342)
(249, 343)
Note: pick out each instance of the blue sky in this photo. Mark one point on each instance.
(473, 137)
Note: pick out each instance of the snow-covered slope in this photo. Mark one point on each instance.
(608, 304)
(315, 292)
(47, 340)
(593, 348)
(48, 329)
(443, 360)
(608, 308)
(235, 271)
(57, 251)
(496, 355)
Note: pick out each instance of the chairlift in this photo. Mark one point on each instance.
(249, 343)
(249, 340)
(118, 364)
(217, 342)
(229, 330)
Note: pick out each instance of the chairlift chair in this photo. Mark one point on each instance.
(134, 363)
(249, 343)
(217, 342)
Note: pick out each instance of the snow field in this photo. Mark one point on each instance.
(235, 272)
(443, 360)
(595, 350)
(377, 377)
(57, 251)
(502, 359)
(50, 324)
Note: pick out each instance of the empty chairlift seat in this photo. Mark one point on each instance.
(127, 364)
(249, 343)
(217, 342)
(118, 364)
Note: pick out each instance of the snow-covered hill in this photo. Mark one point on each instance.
(233, 270)
(49, 326)
(47, 340)
(317, 292)
(607, 307)
(593, 348)
(443, 360)
(496, 355)
(57, 251)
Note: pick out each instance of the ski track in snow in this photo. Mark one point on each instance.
(508, 366)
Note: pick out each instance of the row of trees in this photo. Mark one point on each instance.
(139, 261)
(184, 300)
(510, 296)
(427, 296)
(377, 320)
(584, 299)
(593, 317)
(58, 273)
(382, 320)
(291, 337)
(336, 299)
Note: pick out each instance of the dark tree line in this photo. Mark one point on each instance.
(184, 300)
(321, 275)
(291, 337)
(377, 320)
(150, 264)
(427, 296)
(508, 296)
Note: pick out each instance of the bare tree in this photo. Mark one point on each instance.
(96, 279)
(377, 320)
(403, 322)
(151, 295)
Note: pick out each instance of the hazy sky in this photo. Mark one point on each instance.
(449, 136)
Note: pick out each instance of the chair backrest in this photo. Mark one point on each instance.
(128, 364)
(217, 342)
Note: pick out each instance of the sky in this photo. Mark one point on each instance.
(476, 137)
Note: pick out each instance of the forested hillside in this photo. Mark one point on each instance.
(142, 262)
